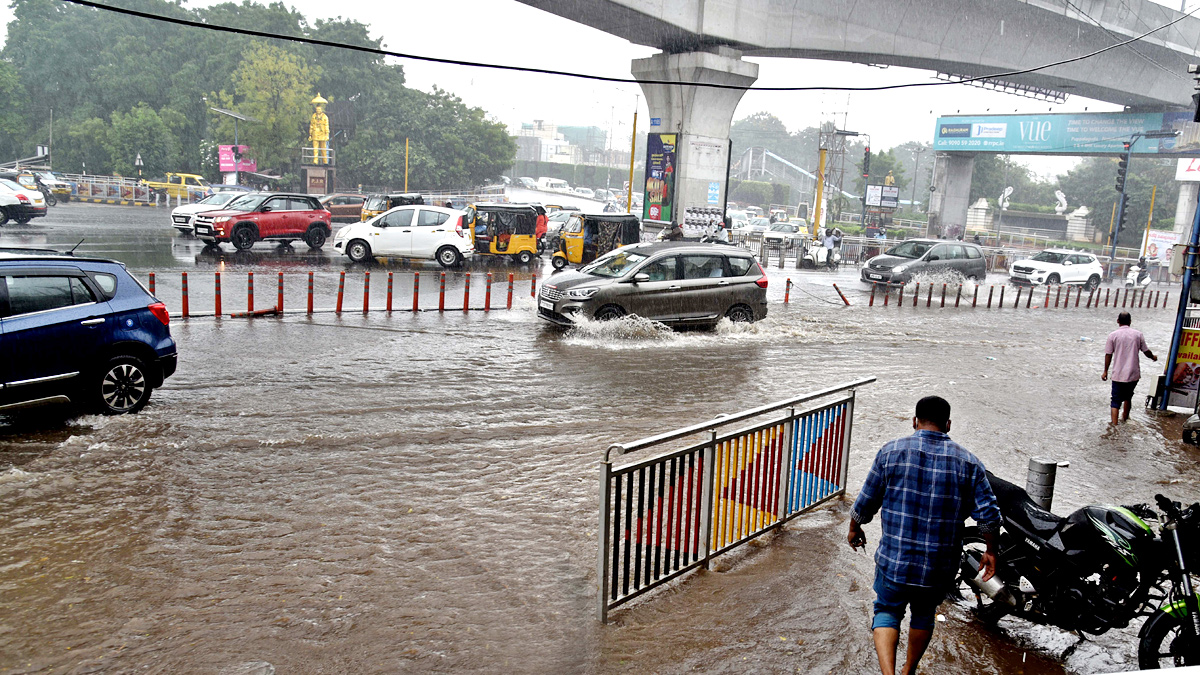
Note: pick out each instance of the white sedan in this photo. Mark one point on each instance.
(415, 231)
(1058, 266)
(181, 217)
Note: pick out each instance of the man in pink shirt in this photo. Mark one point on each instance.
(1121, 352)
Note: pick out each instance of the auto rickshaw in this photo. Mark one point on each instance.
(377, 204)
(503, 229)
(586, 237)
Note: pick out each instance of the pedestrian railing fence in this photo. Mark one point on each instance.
(665, 515)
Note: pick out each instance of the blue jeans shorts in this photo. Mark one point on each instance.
(891, 598)
(1122, 392)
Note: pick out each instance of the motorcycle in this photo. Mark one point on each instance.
(1097, 569)
(1137, 276)
(816, 255)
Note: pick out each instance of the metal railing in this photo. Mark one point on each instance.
(665, 515)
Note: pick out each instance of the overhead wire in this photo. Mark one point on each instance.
(600, 78)
(1133, 49)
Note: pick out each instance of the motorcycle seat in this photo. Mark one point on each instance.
(1015, 505)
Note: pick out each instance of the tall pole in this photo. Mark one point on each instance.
(817, 212)
(50, 150)
(632, 150)
(1121, 200)
(406, 163)
(912, 202)
(1185, 294)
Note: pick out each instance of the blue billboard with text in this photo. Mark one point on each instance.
(1067, 134)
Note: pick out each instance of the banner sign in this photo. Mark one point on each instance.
(1187, 170)
(1067, 133)
(1156, 245)
(660, 177)
(226, 158)
(1186, 379)
(883, 196)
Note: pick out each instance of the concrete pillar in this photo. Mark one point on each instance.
(1185, 210)
(951, 197)
(701, 116)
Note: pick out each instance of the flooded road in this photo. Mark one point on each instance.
(417, 492)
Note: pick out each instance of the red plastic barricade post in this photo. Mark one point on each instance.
(1029, 298)
(841, 295)
(1001, 303)
(442, 294)
(510, 289)
(958, 295)
(249, 291)
(279, 301)
(929, 297)
(185, 295)
(1091, 295)
(467, 293)
(916, 293)
(787, 291)
(943, 295)
(487, 294)
(533, 286)
(310, 293)
(887, 295)
(416, 290)
(871, 302)
(389, 294)
(341, 291)
(900, 296)
(1107, 292)
(1019, 291)
(991, 289)
(152, 283)
(1166, 294)
(975, 296)
(366, 292)
(217, 294)
(1046, 302)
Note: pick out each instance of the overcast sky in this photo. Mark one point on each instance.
(507, 32)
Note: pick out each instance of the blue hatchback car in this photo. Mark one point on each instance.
(79, 330)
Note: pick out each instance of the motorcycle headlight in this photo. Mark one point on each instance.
(900, 269)
(582, 293)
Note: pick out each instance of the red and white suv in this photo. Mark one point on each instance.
(266, 216)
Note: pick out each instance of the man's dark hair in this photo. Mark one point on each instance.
(935, 410)
(1123, 319)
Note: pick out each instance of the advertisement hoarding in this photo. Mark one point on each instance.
(1156, 245)
(660, 177)
(227, 158)
(883, 196)
(1067, 133)
(1186, 379)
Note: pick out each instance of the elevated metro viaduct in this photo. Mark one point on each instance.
(703, 41)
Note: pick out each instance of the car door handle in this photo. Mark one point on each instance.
(406, 230)
(722, 283)
(673, 288)
(92, 322)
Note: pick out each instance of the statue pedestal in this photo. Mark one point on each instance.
(318, 178)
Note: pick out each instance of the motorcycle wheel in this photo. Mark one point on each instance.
(988, 610)
(1163, 644)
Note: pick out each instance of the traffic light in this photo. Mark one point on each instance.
(1124, 211)
(867, 162)
(1122, 169)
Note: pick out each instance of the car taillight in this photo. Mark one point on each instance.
(23, 199)
(159, 310)
(762, 281)
(458, 226)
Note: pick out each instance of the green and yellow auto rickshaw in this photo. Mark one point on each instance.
(586, 237)
(503, 230)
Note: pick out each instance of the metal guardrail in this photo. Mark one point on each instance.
(665, 515)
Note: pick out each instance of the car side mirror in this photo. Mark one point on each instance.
(933, 257)
(265, 209)
(1068, 262)
(638, 278)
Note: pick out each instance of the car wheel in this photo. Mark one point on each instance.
(22, 221)
(1053, 280)
(558, 262)
(358, 250)
(609, 313)
(447, 256)
(524, 257)
(1191, 436)
(1093, 282)
(3, 217)
(315, 237)
(243, 238)
(740, 314)
(123, 386)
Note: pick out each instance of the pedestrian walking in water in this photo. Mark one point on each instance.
(1121, 353)
(923, 486)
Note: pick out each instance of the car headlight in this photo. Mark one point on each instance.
(900, 269)
(222, 220)
(582, 293)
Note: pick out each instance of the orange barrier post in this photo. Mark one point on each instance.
(1165, 296)
(1002, 296)
(991, 290)
(442, 295)
(1142, 300)
(467, 294)
(487, 294)
(1046, 303)
(1107, 292)
(152, 283)
(1018, 301)
(1090, 296)
(1078, 296)
(1029, 298)
(1058, 293)
(1124, 299)
(887, 295)
(1156, 299)
(900, 296)
(217, 294)
(871, 302)
(929, 296)
(787, 291)
(389, 293)
(943, 294)
(958, 295)
(510, 290)
(841, 295)
(366, 292)
(279, 299)
(341, 291)
(250, 292)
(310, 293)
(185, 296)
(416, 290)
(975, 296)
(916, 293)
(533, 286)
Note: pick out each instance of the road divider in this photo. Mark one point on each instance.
(1139, 298)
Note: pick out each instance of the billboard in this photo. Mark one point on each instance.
(1156, 244)
(660, 177)
(1067, 133)
(883, 196)
(1186, 379)
(227, 159)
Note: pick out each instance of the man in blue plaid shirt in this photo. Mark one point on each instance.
(924, 486)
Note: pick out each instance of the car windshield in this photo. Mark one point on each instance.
(760, 223)
(1050, 257)
(219, 198)
(615, 264)
(783, 227)
(10, 184)
(910, 249)
(376, 204)
(246, 203)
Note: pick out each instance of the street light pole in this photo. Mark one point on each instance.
(912, 202)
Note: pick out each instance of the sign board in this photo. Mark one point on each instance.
(714, 192)
(1187, 170)
(1067, 133)
(1186, 379)
(660, 177)
(883, 196)
(226, 158)
(874, 195)
(656, 121)
(317, 181)
(1157, 245)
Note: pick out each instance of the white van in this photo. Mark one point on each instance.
(553, 184)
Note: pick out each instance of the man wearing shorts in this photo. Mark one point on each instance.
(924, 486)
(1121, 353)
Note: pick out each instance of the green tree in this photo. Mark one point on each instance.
(1092, 183)
(142, 131)
(882, 163)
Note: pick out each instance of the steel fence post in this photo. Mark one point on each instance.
(602, 563)
(706, 498)
(846, 441)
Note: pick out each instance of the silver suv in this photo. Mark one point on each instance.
(673, 282)
(899, 263)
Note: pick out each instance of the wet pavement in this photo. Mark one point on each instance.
(416, 492)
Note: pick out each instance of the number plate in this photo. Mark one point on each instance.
(546, 304)
(874, 276)
(202, 229)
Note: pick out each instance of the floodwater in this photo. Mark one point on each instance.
(418, 492)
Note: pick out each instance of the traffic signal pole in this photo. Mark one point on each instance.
(1122, 201)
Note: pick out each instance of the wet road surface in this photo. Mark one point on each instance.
(418, 492)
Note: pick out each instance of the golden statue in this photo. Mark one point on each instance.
(890, 179)
(318, 131)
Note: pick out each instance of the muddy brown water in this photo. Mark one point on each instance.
(418, 492)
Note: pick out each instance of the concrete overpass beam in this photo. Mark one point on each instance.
(701, 116)
(952, 195)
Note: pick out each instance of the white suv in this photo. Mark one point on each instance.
(416, 231)
(1058, 266)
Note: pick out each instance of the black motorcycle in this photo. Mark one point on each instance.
(1099, 568)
